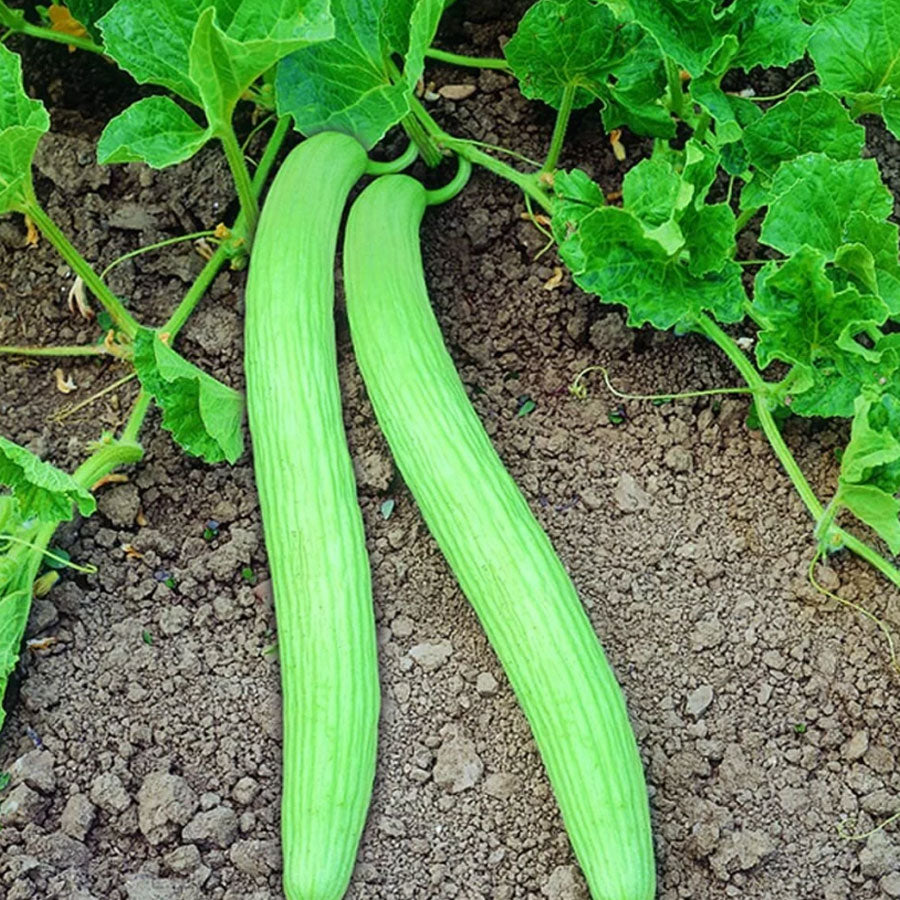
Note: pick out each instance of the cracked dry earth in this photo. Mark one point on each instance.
(144, 745)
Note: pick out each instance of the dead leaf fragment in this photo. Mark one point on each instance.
(112, 478)
(44, 643)
(64, 384)
(537, 218)
(141, 519)
(64, 22)
(547, 179)
(456, 91)
(31, 235)
(131, 552)
(78, 299)
(618, 149)
(203, 249)
(555, 280)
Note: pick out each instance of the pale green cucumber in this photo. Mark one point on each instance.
(498, 551)
(311, 518)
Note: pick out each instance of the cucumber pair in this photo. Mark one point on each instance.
(314, 532)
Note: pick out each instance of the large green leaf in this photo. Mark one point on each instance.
(203, 415)
(41, 491)
(805, 122)
(155, 130)
(22, 122)
(611, 255)
(753, 32)
(876, 244)
(813, 327)
(580, 44)
(857, 54)
(349, 83)
(870, 466)
(814, 198)
(206, 51)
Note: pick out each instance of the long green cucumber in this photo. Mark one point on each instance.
(503, 560)
(312, 521)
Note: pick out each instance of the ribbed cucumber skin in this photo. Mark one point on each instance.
(311, 517)
(503, 560)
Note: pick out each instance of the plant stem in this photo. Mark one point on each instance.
(157, 246)
(242, 183)
(431, 155)
(276, 139)
(759, 387)
(744, 218)
(872, 557)
(474, 62)
(392, 166)
(57, 37)
(528, 183)
(136, 419)
(676, 91)
(195, 292)
(453, 187)
(77, 350)
(81, 267)
(563, 115)
(105, 458)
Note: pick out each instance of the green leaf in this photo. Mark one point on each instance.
(610, 255)
(706, 92)
(210, 51)
(562, 43)
(857, 54)
(709, 237)
(347, 84)
(805, 122)
(814, 199)
(810, 325)
(877, 508)
(42, 491)
(155, 130)
(633, 97)
(89, 12)
(576, 196)
(813, 10)
(870, 448)
(22, 122)
(653, 191)
(870, 466)
(203, 415)
(879, 240)
(764, 32)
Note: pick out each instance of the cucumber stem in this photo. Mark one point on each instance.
(527, 183)
(80, 266)
(473, 62)
(453, 187)
(242, 183)
(195, 293)
(393, 166)
(56, 37)
(76, 350)
(675, 90)
(563, 114)
(759, 387)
